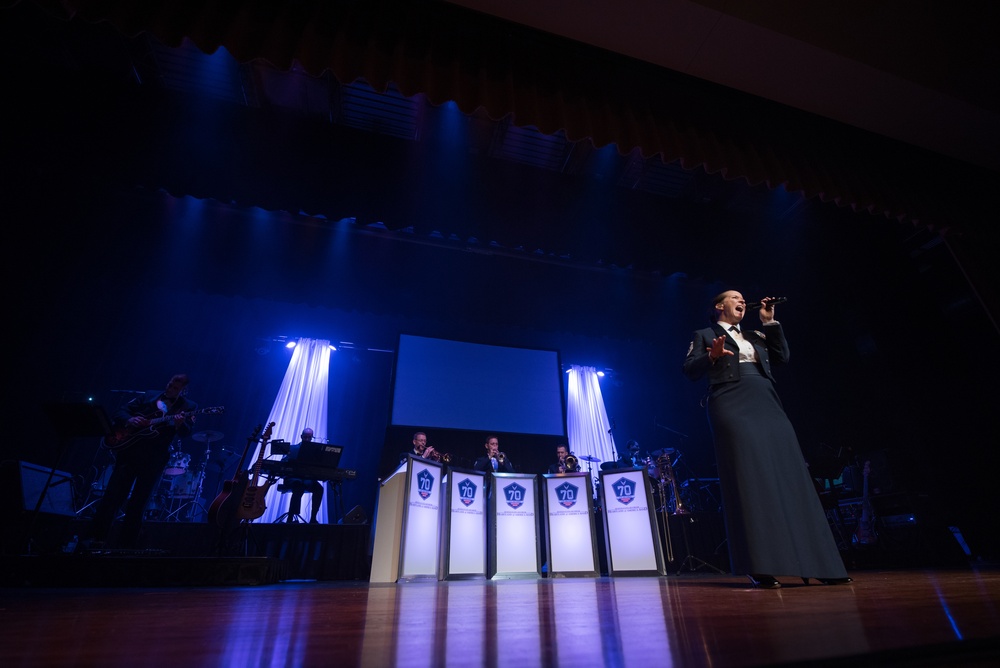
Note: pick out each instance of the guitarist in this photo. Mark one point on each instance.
(138, 467)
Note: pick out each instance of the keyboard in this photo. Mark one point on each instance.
(311, 471)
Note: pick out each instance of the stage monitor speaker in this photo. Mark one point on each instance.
(59, 496)
(355, 515)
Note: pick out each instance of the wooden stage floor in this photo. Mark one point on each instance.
(910, 617)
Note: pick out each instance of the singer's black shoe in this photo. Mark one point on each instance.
(763, 581)
(831, 581)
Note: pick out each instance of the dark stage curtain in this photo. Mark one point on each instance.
(450, 53)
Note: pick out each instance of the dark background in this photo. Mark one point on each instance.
(117, 284)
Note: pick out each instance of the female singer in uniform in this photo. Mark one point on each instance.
(775, 524)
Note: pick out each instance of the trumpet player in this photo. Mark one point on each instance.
(565, 461)
(493, 460)
(420, 448)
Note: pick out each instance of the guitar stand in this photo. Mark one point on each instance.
(233, 535)
(338, 500)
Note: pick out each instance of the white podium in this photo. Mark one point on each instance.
(514, 546)
(571, 534)
(463, 535)
(408, 528)
(630, 528)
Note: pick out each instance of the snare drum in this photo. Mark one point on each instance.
(178, 463)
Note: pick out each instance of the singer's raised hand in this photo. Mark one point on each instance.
(718, 349)
(766, 310)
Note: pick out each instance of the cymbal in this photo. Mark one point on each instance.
(222, 454)
(207, 436)
(660, 453)
(588, 458)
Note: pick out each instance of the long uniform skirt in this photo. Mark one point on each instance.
(775, 522)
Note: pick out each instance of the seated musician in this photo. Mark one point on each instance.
(300, 486)
(563, 462)
(633, 458)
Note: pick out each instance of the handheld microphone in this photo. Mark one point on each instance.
(768, 302)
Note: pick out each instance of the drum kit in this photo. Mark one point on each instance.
(179, 491)
(659, 466)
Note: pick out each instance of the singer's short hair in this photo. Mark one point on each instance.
(713, 315)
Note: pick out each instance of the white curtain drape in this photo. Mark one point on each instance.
(587, 419)
(302, 401)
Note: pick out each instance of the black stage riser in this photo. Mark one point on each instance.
(122, 570)
(292, 551)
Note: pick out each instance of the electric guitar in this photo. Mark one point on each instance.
(124, 434)
(253, 505)
(224, 507)
(865, 534)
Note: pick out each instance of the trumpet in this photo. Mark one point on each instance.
(501, 457)
(571, 463)
(436, 456)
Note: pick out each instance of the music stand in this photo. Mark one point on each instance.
(69, 421)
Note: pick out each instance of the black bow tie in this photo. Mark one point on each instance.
(734, 328)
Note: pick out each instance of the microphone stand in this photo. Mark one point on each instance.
(614, 451)
(614, 458)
